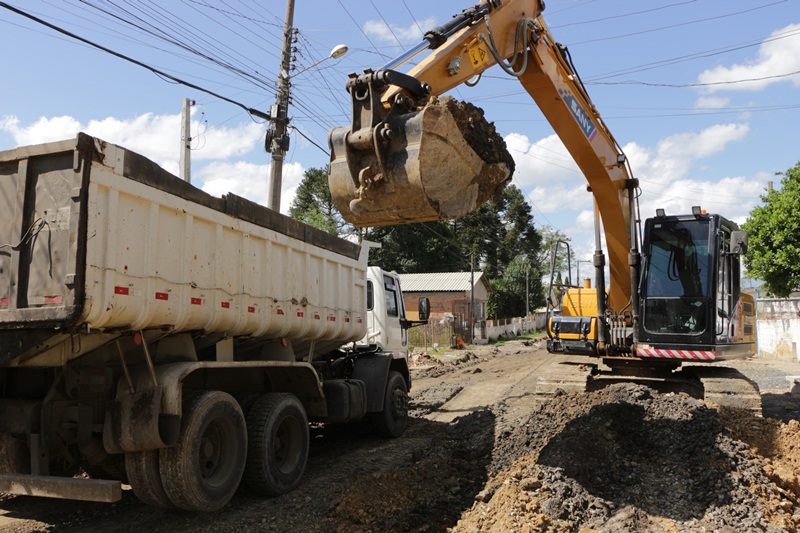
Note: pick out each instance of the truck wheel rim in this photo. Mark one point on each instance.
(216, 451)
(287, 446)
(399, 403)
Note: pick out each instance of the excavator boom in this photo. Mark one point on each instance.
(411, 157)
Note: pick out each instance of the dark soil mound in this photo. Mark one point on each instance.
(628, 458)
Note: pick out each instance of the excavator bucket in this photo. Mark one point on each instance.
(438, 161)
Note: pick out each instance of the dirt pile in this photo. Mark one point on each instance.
(628, 458)
(480, 134)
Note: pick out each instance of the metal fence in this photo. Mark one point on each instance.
(438, 332)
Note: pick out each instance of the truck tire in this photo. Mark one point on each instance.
(202, 471)
(392, 421)
(246, 400)
(277, 430)
(145, 479)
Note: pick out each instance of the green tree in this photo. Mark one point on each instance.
(497, 233)
(506, 243)
(774, 251)
(313, 204)
(550, 236)
(413, 248)
(507, 297)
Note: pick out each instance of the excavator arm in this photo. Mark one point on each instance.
(409, 156)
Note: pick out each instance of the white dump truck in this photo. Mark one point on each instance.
(154, 335)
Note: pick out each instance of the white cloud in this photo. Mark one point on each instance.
(664, 173)
(675, 155)
(391, 33)
(41, 131)
(547, 173)
(711, 102)
(250, 181)
(157, 137)
(154, 136)
(778, 54)
(553, 183)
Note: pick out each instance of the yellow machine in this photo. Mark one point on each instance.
(674, 282)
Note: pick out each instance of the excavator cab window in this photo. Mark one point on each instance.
(677, 277)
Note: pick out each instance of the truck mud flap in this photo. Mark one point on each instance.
(134, 423)
(67, 488)
(373, 370)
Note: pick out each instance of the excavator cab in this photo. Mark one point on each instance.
(689, 302)
(690, 298)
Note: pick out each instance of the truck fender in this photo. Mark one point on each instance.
(374, 371)
(149, 418)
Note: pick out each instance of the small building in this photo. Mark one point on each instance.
(449, 293)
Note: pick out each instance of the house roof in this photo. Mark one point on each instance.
(440, 281)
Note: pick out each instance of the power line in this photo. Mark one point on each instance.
(692, 189)
(388, 27)
(421, 31)
(693, 199)
(685, 85)
(693, 56)
(235, 13)
(528, 195)
(625, 15)
(251, 111)
(361, 29)
(682, 24)
(204, 48)
(303, 135)
(690, 112)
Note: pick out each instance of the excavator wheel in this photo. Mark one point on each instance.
(442, 161)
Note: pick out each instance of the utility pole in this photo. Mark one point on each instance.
(277, 142)
(186, 140)
(471, 297)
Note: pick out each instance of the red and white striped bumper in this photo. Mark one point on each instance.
(689, 355)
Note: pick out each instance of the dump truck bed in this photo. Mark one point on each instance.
(94, 237)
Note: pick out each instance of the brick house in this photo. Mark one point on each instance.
(449, 292)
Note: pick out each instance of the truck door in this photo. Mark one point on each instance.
(396, 335)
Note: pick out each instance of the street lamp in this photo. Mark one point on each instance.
(336, 52)
(277, 138)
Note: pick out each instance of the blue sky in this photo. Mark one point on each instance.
(668, 77)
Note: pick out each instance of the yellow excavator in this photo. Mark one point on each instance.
(410, 155)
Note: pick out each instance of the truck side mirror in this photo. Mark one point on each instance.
(739, 241)
(424, 308)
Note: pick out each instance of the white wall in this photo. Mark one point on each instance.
(778, 328)
(510, 327)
